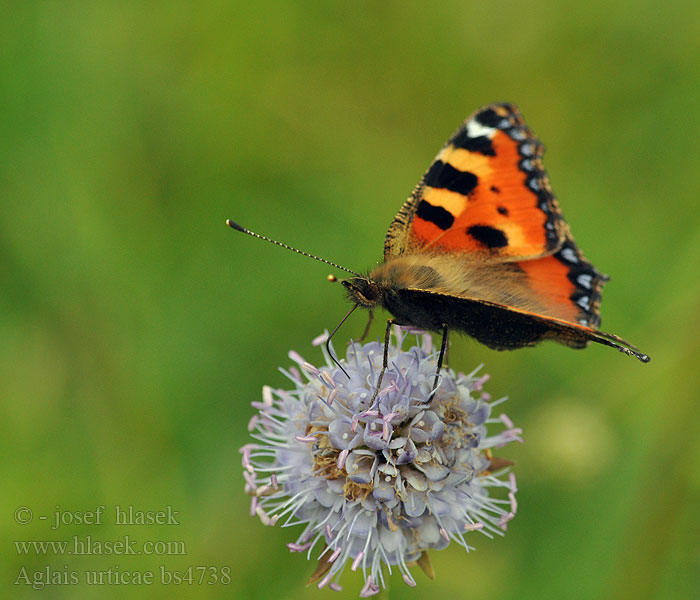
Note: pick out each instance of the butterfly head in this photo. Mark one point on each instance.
(362, 291)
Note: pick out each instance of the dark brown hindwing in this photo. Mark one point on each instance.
(495, 326)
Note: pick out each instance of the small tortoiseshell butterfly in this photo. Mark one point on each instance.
(482, 247)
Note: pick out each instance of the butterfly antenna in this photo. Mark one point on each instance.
(237, 227)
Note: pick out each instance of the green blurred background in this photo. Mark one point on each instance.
(136, 327)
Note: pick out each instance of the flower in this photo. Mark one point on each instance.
(378, 485)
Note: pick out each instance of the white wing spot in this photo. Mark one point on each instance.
(584, 280)
(476, 129)
(569, 255)
(584, 302)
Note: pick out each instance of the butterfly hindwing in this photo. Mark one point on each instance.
(498, 326)
(486, 193)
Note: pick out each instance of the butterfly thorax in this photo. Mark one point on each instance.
(379, 287)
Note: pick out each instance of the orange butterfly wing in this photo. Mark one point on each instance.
(485, 194)
(486, 197)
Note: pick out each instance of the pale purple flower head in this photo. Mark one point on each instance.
(376, 486)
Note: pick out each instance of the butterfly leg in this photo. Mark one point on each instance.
(385, 360)
(443, 348)
(446, 362)
(369, 324)
(332, 333)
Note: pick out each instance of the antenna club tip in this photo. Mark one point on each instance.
(233, 225)
(332, 278)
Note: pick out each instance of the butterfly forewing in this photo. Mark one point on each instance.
(485, 194)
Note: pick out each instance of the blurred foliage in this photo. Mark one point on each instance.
(136, 328)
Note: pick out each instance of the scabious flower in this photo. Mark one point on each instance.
(378, 485)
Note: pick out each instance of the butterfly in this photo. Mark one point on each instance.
(481, 247)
